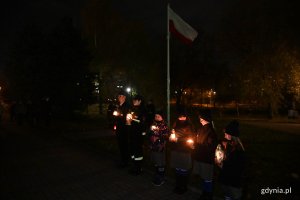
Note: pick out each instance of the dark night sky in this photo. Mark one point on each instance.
(206, 14)
(14, 14)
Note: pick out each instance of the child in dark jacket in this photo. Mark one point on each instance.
(158, 135)
(204, 154)
(230, 157)
(181, 146)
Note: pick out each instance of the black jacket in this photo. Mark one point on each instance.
(184, 130)
(120, 120)
(233, 170)
(206, 143)
(138, 125)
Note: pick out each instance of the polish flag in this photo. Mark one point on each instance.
(180, 28)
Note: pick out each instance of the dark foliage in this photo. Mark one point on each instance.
(50, 65)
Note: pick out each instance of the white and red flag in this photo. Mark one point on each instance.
(180, 28)
(186, 34)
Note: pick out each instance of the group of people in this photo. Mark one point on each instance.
(31, 112)
(192, 151)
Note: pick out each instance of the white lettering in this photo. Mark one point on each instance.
(277, 190)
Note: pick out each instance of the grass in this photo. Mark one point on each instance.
(272, 158)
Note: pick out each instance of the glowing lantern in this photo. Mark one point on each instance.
(190, 142)
(173, 137)
(116, 113)
(129, 118)
(219, 155)
(153, 128)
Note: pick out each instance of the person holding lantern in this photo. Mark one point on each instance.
(158, 135)
(230, 157)
(181, 145)
(119, 115)
(204, 153)
(137, 131)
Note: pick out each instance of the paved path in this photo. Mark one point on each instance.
(41, 166)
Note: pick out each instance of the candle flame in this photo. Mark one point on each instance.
(129, 116)
(190, 141)
(115, 113)
(153, 128)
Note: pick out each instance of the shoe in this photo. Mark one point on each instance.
(206, 196)
(135, 172)
(176, 189)
(136, 168)
(158, 182)
(122, 165)
(181, 184)
(180, 190)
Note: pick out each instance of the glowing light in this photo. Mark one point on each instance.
(153, 128)
(129, 118)
(115, 113)
(173, 137)
(219, 155)
(128, 89)
(190, 141)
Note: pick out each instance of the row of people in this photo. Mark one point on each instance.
(129, 124)
(199, 152)
(191, 152)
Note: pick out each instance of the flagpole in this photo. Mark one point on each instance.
(186, 33)
(168, 68)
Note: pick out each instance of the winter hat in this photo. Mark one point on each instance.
(233, 128)
(159, 112)
(138, 97)
(206, 115)
(122, 92)
(182, 111)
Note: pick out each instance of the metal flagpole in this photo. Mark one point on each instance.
(168, 67)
